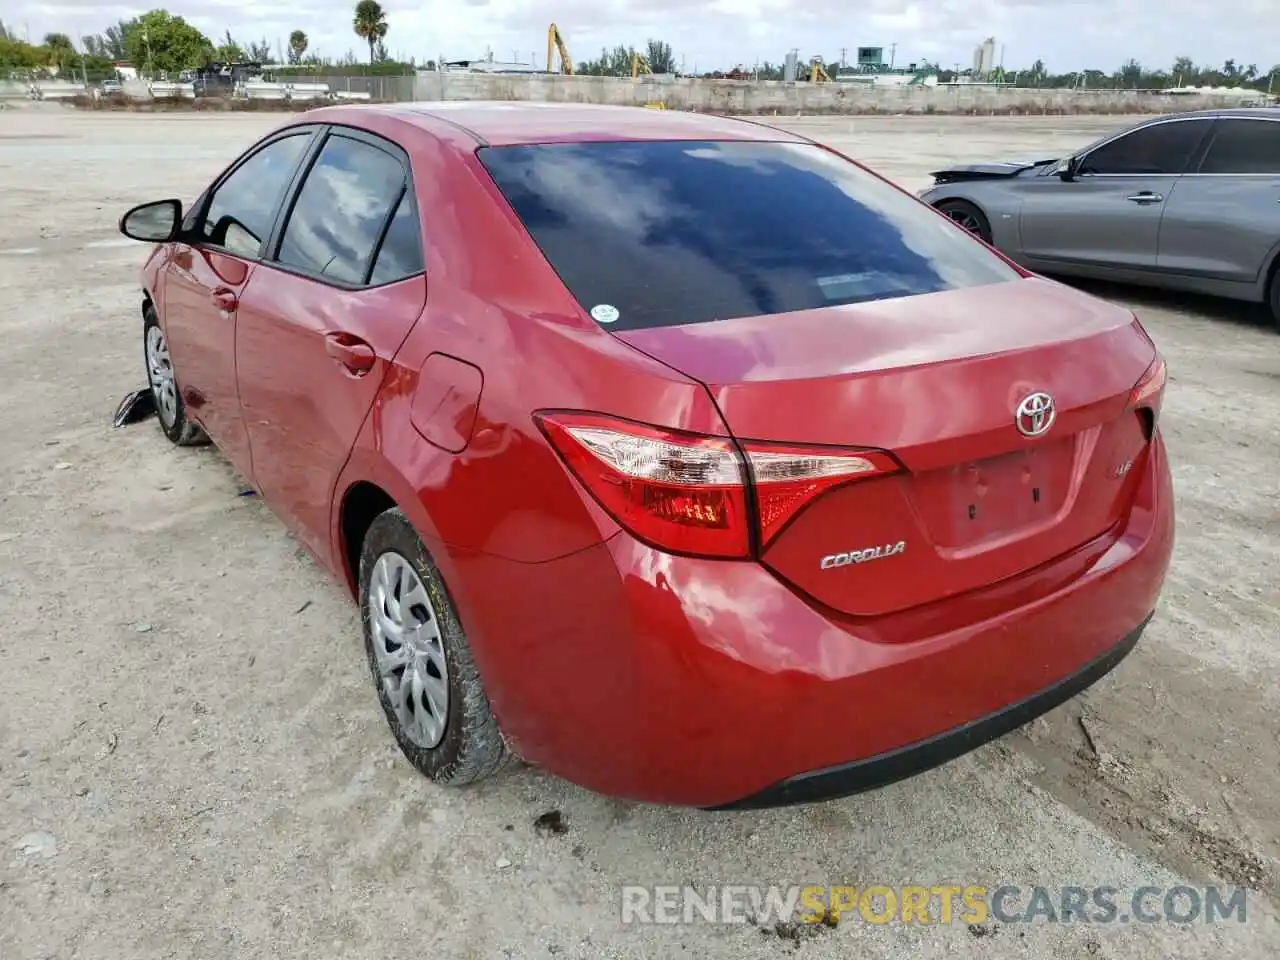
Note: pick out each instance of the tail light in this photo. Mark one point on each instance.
(1148, 394)
(699, 495)
(786, 478)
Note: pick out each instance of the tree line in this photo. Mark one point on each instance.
(162, 43)
(1132, 75)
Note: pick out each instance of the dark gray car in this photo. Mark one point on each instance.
(1188, 201)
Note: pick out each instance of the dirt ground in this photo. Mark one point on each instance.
(193, 764)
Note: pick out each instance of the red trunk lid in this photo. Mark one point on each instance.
(936, 381)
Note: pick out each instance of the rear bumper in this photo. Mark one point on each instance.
(711, 684)
(886, 768)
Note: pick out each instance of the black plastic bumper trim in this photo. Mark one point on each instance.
(847, 779)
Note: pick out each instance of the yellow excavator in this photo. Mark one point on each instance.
(639, 65)
(555, 43)
(818, 72)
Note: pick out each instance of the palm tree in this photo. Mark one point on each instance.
(370, 23)
(297, 45)
(62, 51)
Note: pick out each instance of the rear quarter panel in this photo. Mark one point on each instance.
(493, 302)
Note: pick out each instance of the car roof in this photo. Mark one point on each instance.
(1264, 113)
(1214, 113)
(510, 123)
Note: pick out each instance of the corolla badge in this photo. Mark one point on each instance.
(833, 560)
(1035, 414)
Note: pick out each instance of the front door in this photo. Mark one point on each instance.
(320, 323)
(1111, 221)
(207, 277)
(1108, 216)
(1225, 218)
(202, 290)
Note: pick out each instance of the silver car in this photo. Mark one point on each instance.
(1188, 201)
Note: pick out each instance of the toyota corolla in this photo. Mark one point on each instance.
(681, 456)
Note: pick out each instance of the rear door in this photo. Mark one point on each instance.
(1224, 219)
(205, 279)
(320, 322)
(1109, 215)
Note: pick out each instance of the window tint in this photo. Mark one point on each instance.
(1159, 148)
(341, 210)
(243, 208)
(1244, 146)
(400, 255)
(653, 233)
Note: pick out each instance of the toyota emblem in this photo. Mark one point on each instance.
(1035, 415)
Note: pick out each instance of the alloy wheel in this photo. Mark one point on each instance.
(409, 649)
(160, 373)
(966, 220)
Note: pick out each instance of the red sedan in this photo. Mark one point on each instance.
(679, 455)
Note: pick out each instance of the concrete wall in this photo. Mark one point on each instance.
(15, 90)
(769, 97)
(723, 96)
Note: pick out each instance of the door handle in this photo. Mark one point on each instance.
(353, 353)
(1146, 196)
(224, 299)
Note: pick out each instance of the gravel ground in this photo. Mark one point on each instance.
(192, 762)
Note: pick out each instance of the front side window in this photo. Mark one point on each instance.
(243, 207)
(341, 210)
(654, 233)
(1244, 146)
(1161, 148)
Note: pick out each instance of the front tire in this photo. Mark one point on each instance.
(968, 216)
(422, 667)
(170, 410)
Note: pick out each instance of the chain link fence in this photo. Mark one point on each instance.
(386, 89)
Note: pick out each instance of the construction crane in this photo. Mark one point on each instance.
(818, 72)
(555, 43)
(639, 65)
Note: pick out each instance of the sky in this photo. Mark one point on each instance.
(716, 34)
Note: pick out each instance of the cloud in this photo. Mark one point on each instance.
(710, 34)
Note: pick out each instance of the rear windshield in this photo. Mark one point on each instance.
(653, 233)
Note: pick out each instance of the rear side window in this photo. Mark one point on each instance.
(654, 233)
(1244, 146)
(338, 219)
(1161, 148)
(400, 255)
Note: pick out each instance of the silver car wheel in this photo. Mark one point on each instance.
(409, 649)
(160, 374)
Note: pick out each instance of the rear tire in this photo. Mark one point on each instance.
(425, 676)
(170, 410)
(1273, 296)
(968, 216)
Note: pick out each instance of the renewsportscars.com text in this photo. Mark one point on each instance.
(940, 904)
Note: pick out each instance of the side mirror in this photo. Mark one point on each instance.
(155, 222)
(1069, 169)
